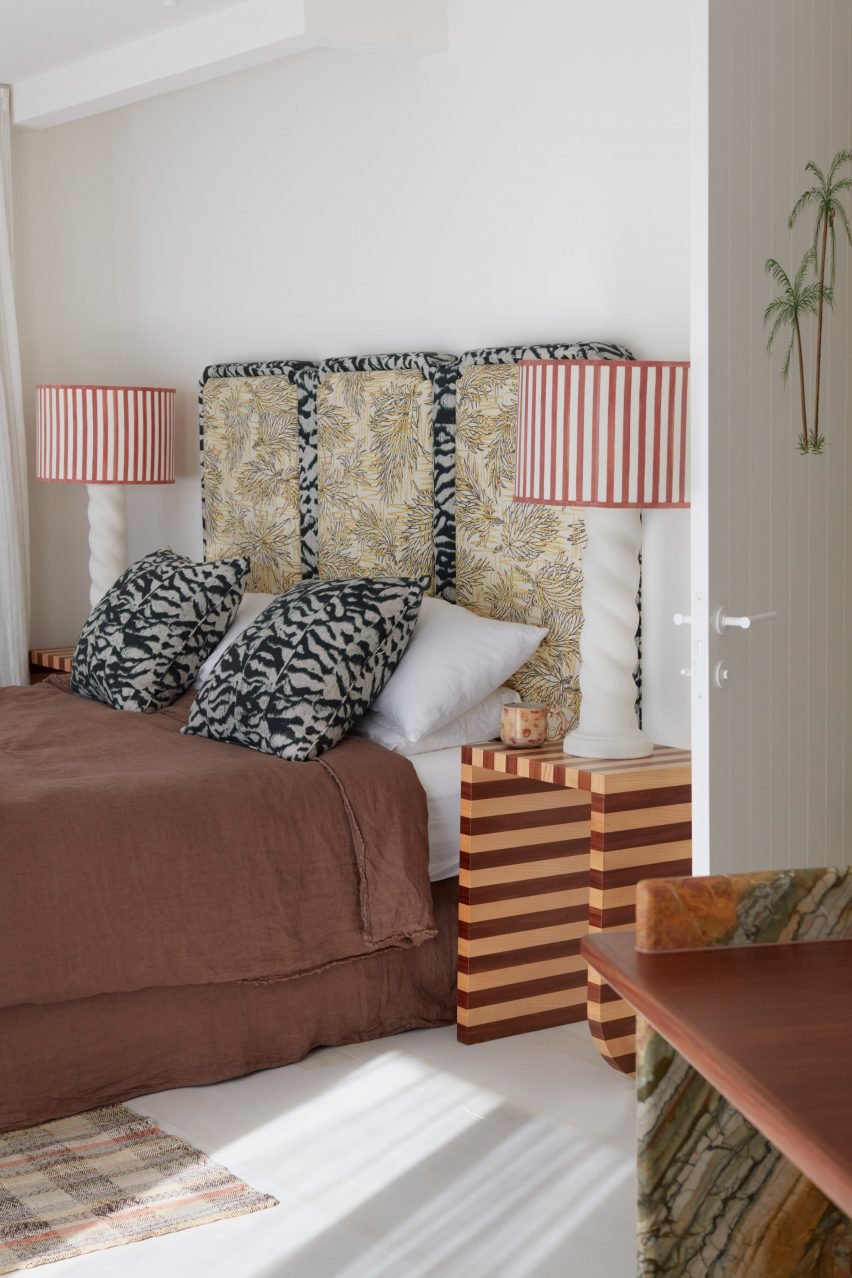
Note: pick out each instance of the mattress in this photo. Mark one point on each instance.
(440, 775)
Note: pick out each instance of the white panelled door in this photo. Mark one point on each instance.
(771, 528)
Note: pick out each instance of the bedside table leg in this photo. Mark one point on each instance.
(636, 834)
(523, 905)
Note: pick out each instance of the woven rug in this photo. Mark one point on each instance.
(105, 1178)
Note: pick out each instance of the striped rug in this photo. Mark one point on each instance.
(102, 1179)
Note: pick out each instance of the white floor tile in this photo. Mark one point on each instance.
(411, 1157)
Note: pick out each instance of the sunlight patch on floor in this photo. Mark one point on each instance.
(508, 1210)
(368, 1129)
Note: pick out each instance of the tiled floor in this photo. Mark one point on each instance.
(408, 1157)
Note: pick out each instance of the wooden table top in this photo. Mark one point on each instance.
(769, 1026)
(666, 766)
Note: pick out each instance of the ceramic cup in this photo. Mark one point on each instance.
(531, 725)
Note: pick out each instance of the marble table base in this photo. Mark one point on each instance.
(716, 1199)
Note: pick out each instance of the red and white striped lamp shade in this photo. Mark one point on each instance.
(603, 433)
(106, 434)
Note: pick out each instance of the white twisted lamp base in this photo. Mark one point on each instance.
(107, 538)
(608, 727)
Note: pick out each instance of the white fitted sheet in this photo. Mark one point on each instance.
(440, 775)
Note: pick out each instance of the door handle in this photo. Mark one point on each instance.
(682, 619)
(723, 622)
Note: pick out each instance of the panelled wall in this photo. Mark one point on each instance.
(771, 528)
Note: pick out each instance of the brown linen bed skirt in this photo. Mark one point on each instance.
(62, 1058)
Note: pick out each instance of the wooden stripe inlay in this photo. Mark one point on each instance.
(636, 800)
(548, 1001)
(523, 820)
(624, 1028)
(471, 1034)
(613, 822)
(52, 658)
(680, 831)
(510, 993)
(606, 879)
(487, 894)
(508, 943)
(521, 922)
(601, 993)
(524, 971)
(571, 905)
(502, 787)
(603, 920)
(566, 952)
(532, 854)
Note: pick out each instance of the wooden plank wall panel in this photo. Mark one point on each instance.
(777, 792)
(523, 905)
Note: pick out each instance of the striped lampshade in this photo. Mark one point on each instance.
(106, 434)
(602, 433)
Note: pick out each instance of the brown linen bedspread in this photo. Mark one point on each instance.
(133, 858)
(61, 1058)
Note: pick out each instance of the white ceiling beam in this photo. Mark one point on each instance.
(246, 35)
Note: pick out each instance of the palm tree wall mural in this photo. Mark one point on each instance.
(803, 296)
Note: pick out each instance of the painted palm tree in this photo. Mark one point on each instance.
(824, 197)
(795, 300)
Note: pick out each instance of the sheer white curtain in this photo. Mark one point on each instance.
(14, 528)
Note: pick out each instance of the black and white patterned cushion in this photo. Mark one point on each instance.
(295, 680)
(143, 643)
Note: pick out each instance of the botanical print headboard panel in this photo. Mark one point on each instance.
(517, 562)
(258, 465)
(385, 445)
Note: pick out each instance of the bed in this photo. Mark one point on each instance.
(149, 905)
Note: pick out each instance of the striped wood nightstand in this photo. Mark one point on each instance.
(46, 661)
(552, 847)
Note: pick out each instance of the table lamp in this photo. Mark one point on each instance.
(609, 436)
(106, 437)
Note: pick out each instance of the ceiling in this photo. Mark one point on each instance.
(67, 59)
(41, 35)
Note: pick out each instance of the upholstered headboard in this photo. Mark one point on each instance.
(400, 465)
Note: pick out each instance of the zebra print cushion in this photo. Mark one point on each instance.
(143, 643)
(295, 680)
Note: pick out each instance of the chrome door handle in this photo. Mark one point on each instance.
(723, 622)
(682, 619)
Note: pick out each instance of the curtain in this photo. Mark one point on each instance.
(14, 525)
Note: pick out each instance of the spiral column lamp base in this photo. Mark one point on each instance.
(608, 727)
(107, 538)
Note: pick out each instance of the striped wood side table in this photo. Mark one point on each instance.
(552, 847)
(45, 661)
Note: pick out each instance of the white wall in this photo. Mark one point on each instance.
(529, 185)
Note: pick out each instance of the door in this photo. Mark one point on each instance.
(771, 526)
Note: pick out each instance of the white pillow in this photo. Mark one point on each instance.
(452, 663)
(251, 606)
(482, 723)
